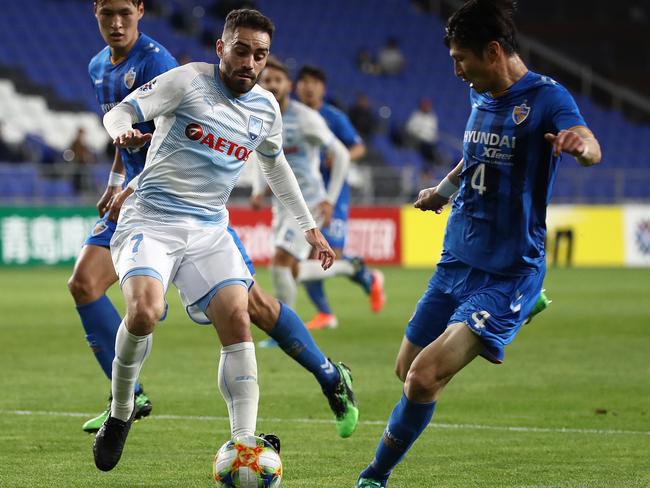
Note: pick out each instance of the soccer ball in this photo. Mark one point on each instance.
(247, 462)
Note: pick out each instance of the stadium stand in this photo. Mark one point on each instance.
(36, 38)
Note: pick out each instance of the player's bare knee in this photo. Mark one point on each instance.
(260, 314)
(240, 318)
(239, 324)
(423, 385)
(261, 309)
(82, 288)
(143, 315)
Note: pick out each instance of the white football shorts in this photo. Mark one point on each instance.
(288, 235)
(199, 260)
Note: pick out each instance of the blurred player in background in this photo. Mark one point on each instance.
(129, 60)
(493, 263)
(310, 90)
(174, 228)
(305, 134)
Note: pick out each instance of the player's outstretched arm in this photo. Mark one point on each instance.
(340, 167)
(579, 142)
(260, 188)
(119, 125)
(436, 198)
(284, 185)
(160, 96)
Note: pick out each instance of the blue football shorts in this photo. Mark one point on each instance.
(493, 306)
(336, 232)
(101, 233)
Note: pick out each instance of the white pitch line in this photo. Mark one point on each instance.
(433, 425)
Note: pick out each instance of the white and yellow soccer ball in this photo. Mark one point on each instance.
(247, 462)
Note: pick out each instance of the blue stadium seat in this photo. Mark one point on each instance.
(35, 36)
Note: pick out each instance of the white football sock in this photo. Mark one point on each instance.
(130, 353)
(238, 386)
(284, 285)
(311, 270)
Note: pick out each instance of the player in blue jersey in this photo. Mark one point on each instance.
(129, 60)
(310, 90)
(493, 259)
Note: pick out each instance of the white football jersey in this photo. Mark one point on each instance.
(304, 134)
(203, 138)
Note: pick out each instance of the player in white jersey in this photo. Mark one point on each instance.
(305, 133)
(209, 119)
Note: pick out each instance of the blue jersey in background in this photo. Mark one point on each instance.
(498, 220)
(340, 125)
(113, 82)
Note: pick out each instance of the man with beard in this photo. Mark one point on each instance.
(209, 120)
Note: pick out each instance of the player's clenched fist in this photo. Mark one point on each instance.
(429, 199)
(133, 139)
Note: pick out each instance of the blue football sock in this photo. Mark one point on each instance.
(295, 340)
(406, 423)
(101, 321)
(363, 276)
(316, 293)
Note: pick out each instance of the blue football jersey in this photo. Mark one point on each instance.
(339, 123)
(113, 82)
(498, 219)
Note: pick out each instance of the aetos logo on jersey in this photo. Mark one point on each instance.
(195, 132)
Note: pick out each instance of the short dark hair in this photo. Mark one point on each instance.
(275, 63)
(247, 17)
(479, 22)
(313, 71)
(134, 2)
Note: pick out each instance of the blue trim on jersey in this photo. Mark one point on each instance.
(136, 106)
(143, 271)
(170, 204)
(242, 250)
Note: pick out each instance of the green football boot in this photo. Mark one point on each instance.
(342, 402)
(95, 423)
(143, 408)
(368, 483)
(542, 304)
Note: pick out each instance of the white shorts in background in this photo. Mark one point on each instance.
(288, 235)
(198, 260)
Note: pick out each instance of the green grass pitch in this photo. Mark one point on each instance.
(569, 408)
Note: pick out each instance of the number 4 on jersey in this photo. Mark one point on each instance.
(478, 179)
